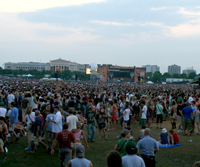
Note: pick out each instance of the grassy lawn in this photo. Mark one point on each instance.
(182, 156)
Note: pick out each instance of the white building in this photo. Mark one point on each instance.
(67, 65)
(174, 69)
(27, 66)
(151, 68)
(187, 71)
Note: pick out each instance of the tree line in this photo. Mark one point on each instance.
(158, 77)
(66, 74)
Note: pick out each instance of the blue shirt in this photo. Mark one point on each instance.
(187, 112)
(148, 145)
(163, 137)
(194, 108)
(38, 122)
(14, 113)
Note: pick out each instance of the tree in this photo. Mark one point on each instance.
(148, 76)
(157, 77)
(66, 74)
(192, 75)
(183, 75)
(166, 75)
(175, 75)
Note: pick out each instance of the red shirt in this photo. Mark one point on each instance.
(175, 137)
(65, 138)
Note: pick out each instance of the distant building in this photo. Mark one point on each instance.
(67, 65)
(174, 69)
(151, 68)
(187, 71)
(27, 66)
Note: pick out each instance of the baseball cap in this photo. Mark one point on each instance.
(2, 104)
(80, 151)
(130, 144)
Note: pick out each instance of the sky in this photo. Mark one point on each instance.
(118, 32)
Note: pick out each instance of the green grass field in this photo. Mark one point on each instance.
(182, 156)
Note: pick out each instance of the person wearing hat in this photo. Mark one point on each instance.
(2, 110)
(57, 122)
(131, 159)
(80, 161)
(164, 137)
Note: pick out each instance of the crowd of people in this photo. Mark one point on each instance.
(57, 112)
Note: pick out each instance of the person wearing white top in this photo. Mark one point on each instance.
(57, 126)
(71, 120)
(190, 99)
(2, 110)
(10, 99)
(126, 115)
(131, 159)
(30, 119)
(144, 113)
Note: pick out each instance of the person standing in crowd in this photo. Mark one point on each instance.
(77, 134)
(131, 159)
(197, 120)
(101, 120)
(37, 131)
(159, 111)
(194, 108)
(72, 120)
(179, 116)
(13, 120)
(64, 138)
(125, 115)
(24, 105)
(143, 109)
(187, 113)
(48, 126)
(30, 119)
(149, 146)
(57, 122)
(3, 110)
(80, 161)
(120, 146)
(10, 98)
(91, 123)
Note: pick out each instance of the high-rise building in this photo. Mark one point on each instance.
(189, 70)
(151, 68)
(174, 69)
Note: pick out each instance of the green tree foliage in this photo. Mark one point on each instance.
(183, 76)
(148, 76)
(166, 75)
(192, 75)
(157, 77)
(175, 75)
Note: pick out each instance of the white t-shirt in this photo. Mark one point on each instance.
(57, 126)
(144, 114)
(121, 108)
(30, 118)
(132, 161)
(2, 112)
(190, 99)
(126, 116)
(10, 98)
(9, 112)
(72, 120)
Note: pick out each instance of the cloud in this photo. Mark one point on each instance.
(11, 28)
(161, 8)
(34, 5)
(111, 23)
(188, 13)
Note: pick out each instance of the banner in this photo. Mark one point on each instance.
(103, 74)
